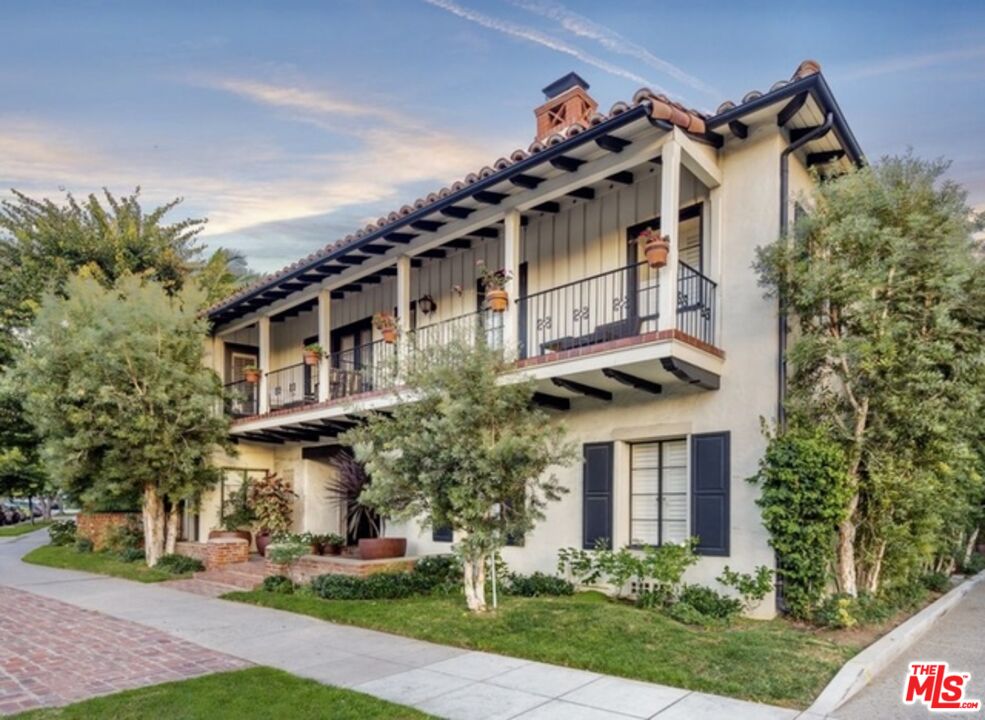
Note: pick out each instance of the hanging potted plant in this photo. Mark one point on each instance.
(344, 491)
(494, 282)
(387, 325)
(655, 247)
(251, 373)
(272, 501)
(313, 354)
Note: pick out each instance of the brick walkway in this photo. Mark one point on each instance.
(52, 654)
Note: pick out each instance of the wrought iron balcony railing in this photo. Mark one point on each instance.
(242, 399)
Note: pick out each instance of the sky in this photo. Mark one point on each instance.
(290, 124)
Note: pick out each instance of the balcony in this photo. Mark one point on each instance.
(611, 321)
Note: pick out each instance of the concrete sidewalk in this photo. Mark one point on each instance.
(444, 681)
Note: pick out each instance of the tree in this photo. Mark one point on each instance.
(114, 383)
(884, 282)
(224, 273)
(464, 451)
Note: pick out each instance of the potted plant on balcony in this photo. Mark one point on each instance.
(235, 516)
(494, 282)
(655, 247)
(313, 354)
(251, 373)
(387, 325)
(344, 491)
(272, 501)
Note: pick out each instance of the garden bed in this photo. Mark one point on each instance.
(256, 693)
(591, 632)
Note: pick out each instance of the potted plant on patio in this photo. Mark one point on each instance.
(272, 501)
(235, 516)
(332, 544)
(344, 491)
(251, 374)
(387, 325)
(313, 354)
(655, 247)
(494, 282)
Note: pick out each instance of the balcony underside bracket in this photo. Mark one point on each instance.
(551, 401)
(581, 389)
(691, 374)
(633, 381)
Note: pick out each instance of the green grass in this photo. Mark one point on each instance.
(256, 693)
(23, 528)
(67, 558)
(767, 661)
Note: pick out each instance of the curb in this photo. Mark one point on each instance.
(861, 669)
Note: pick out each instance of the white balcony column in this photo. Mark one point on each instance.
(263, 330)
(403, 312)
(670, 202)
(511, 263)
(325, 340)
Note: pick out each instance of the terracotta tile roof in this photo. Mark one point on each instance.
(805, 69)
(660, 108)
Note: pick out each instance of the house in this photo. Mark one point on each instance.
(661, 375)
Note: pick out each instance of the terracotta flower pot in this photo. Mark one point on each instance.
(379, 548)
(656, 252)
(245, 534)
(389, 335)
(263, 539)
(317, 549)
(498, 300)
(311, 357)
(332, 549)
(252, 376)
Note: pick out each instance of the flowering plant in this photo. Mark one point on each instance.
(493, 279)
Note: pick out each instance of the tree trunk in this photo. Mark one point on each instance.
(475, 583)
(970, 547)
(172, 530)
(154, 525)
(873, 573)
(846, 578)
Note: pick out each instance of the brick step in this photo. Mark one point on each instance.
(201, 587)
(242, 581)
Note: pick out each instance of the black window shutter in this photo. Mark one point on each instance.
(441, 534)
(710, 482)
(597, 494)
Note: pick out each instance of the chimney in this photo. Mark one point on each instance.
(568, 102)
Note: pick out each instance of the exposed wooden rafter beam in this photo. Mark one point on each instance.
(791, 108)
(820, 158)
(691, 374)
(432, 253)
(551, 401)
(486, 232)
(427, 225)
(374, 249)
(633, 381)
(529, 182)
(567, 163)
(457, 211)
(353, 259)
(582, 389)
(625, 177)
(489, 198)
(458, 244)
(400, 237)
(550, 206)
(583, 193)
(739, 129)
(612, 143)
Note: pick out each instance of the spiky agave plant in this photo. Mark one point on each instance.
(345, 489)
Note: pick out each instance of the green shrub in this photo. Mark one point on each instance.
(131, 554)
(279, 584)
(751, 588)
(83, 545)
(439, 573)
(379, 586)
(537, 584)
(62, 532)
(179, 564)
(975, 564)
(938, 582)
(837, 612)
(709, 602)
(125, 536)
(287, 551)
(688, 614)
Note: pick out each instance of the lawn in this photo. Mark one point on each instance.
(67, 558)
(258, 693)
(773, 662)
(23, 528)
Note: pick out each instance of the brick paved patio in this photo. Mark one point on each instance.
(52, 653)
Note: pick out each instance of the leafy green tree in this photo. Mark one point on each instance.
(224, 273)
(884, 283)
(467, 452)
(114, 383)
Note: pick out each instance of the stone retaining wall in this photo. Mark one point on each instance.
(311, 566)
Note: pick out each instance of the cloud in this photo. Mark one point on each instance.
(903, 63)
(615, 42)
(530, 34)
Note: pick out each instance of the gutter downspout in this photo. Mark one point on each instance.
(782, 329)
